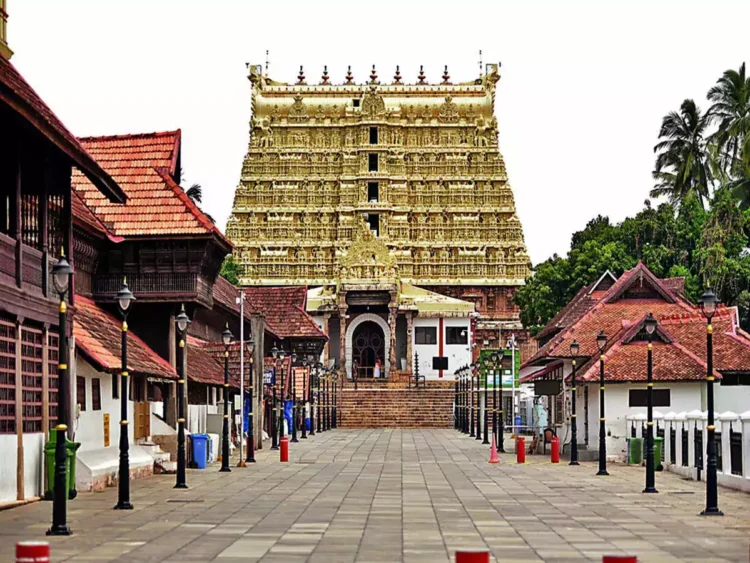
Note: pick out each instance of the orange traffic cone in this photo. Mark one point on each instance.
(493, 451)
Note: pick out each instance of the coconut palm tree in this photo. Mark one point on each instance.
(195, 193)
(730, 109)
(682, 162)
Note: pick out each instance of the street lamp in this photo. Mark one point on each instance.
(335, 422)
(319, 397)
(303, 400)
(274, 406)
(472, 407)
(708, 304)
(182, 321)
(650, 324)
(250, 424)
(601, 342)
(574, 426)
(280, 408)
(295, 410)
(499, 415)
(486, 418)
(61, 273)
(124, 299)
(226, 339)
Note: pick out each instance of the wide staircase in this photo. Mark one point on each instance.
(395, 405)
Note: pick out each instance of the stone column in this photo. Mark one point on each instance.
(392, 312)
(409, 340)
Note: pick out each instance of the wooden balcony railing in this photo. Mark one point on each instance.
(154, 286)
(32, 270)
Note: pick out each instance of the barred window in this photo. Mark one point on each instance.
(7, 377)
(32, 376)
(81, 392)
(96, 394)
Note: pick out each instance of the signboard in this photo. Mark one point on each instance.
(551, 387)
(106, 429)
(440, 362)
(269, 376)
(504, 373)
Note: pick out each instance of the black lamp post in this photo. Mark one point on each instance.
(182, 322)
(455, 399)
(250, 425)
(335, 422)
(313, 402)
(274, 406)
(124, 299)
(601, 342)
(319, 398)
(650, 324)
(708, 304)
(303, 400)
(573, 421)
(226, 339)
(281, 407)
(61, 273)
(497, 365)
(295, 409)
(464, 411)
(486, 418)
(472, 407)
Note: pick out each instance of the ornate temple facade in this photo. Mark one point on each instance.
(368, 193)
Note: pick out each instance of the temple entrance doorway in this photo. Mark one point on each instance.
(368, 346)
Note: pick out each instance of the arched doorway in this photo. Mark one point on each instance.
(368, 346)
(349, 342)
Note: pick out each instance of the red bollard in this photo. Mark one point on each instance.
(472, 557)
(619, 559)
(284, 451)
(520, 449)
(555, 449)
(32, 552)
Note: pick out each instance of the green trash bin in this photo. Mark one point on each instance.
(658, 448)
(635, 451)
(70, 465)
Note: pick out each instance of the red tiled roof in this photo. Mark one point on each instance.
(225, 295)
(85, 218)
(215, 350)
(569, 314)
(98, 337)
(202, 366)
(145, 166)
(284, 309)
(675, 284)
(23, 100)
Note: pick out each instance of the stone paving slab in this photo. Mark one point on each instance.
(357, 496)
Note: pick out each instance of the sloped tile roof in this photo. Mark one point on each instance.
(215, 350)
(23, 100)
(225, 295)
(85, 218)
(284, 309)
(98, 336)
(574, 310)
(202, 366)
(145, 165)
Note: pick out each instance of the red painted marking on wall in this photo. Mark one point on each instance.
(440, 340)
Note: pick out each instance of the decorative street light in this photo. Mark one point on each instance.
(294, 397)
(226, 339)
(601, 342)
(335, 422)
(311, 393)
(124, 299)
(251, 387)
(319, 399)
(650, 324)
(280, 408)
(182, 322)
(455, 399)
(499, 415)
(708, 304)
(573, 423)
(274, 406)
(472, 408)
(303, 400)
(486, 418)
(61, 273)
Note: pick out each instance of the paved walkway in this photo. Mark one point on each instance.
(390, 495)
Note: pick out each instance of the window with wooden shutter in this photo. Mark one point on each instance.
(7, 377)
(32, 376)
(96, 394)
(81, 392)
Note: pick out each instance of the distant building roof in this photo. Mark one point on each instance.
(145, 165)
(284, 309)
(99, 340)
(21, 98)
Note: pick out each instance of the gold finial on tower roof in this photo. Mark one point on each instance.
(421, 76)
(446, 76)
(325, 78)
(397, 76)
(349, 75)
(373, 76)
(301, 76)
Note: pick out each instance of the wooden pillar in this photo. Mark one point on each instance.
(20, 492)
(44, 230)
(18, 221)
(392, 311)
(409, 340)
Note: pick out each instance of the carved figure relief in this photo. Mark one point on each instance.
(373, 104)
(448, 111)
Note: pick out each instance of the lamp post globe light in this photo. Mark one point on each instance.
(226, 339)
(61, 273)
(601, 343)
(250, 425)
(573, 422)
(650, 324)
(182, 321)
(124, 299)
(708, 304)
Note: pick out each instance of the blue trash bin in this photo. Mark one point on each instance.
(200, 450)
(288, 414)
(518, 421)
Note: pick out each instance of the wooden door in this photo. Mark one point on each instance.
(142, 415)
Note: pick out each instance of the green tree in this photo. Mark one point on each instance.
(730, 109)
(682, 164)
(231, 270)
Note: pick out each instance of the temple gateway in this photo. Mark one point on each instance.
(391, 204)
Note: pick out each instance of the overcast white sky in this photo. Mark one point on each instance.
(584, 84)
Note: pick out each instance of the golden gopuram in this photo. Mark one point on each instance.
(388, 200)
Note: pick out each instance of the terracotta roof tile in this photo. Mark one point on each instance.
(215, 350)
(145, 166)
(202, 366)
(99, 336)
(22, 99)
(284, 309)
